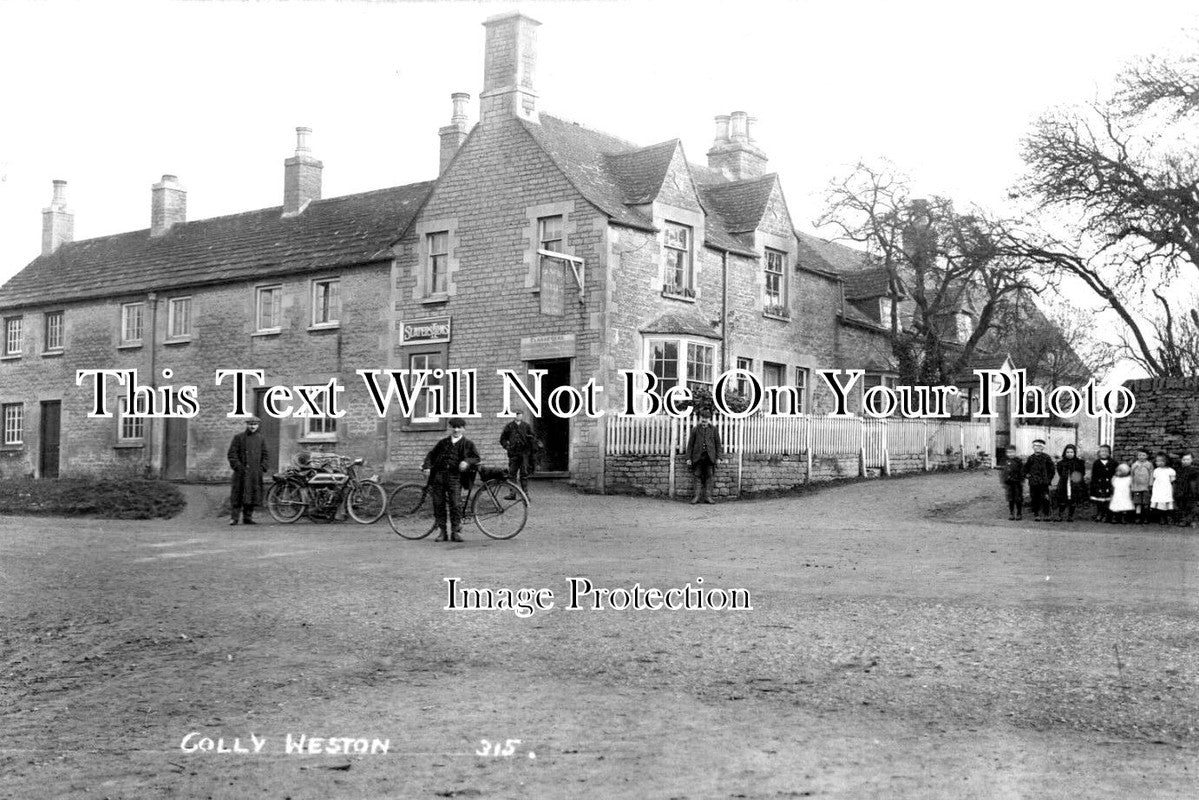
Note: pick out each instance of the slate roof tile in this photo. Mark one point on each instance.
(338, 232)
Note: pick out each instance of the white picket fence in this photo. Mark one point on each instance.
(1056, 438)
(875, 440)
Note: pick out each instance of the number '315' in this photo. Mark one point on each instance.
(490, 748)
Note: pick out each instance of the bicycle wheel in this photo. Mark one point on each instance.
(409, 511)
(500, 509)
(366, 502)
(286, 501)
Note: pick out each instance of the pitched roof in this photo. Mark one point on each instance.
(582, 155)
(839, 258)
(740, 204)
(867, 284)
(854, 315)
(640, 173)
(614, 174)
(689, 322)
(340, 231)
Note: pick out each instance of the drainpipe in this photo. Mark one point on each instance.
(151, 428)
(724, 311)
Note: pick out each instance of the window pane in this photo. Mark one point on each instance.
(54, 339)
(180, 317)
(426, 361)
(677, 256)
(550, 233)
(131, 322)
(13, 423)
(269, 307)
(12, 336)
(326, 303)
(699, 365)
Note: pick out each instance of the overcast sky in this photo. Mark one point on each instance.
(109, 96)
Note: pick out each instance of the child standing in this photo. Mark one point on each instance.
(1102, 472)
(1039, 471)
(1013, 482)
(1070, 486)
(1162, 498)
(1186, 490)
(1142, 479)
(1121, 502)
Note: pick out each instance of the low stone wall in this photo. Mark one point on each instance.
(1166, 418)
(650, 475)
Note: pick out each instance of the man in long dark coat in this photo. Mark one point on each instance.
(249, 459)
(521, 444)
(703, 453)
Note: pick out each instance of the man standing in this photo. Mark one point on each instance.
(1039, 469)
(703, 454)
(449, 466)
(250, 460)
(521, 444)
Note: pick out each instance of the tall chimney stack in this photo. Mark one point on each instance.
(454, 134)
(301, 177)
(168, 205)
(58, 223)
(735, 153)
(509, 61)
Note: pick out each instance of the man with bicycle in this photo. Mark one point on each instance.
(450, 467)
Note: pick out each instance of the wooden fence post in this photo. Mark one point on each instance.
(808, 447)
(926, 464)
(674, 440)
(862, 448)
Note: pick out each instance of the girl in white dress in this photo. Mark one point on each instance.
(1161, 498)
(1121, 494)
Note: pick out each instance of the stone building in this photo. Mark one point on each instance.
(658, 263)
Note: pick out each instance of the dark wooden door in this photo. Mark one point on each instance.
(174, 457)
(269, 428)
(51, 439)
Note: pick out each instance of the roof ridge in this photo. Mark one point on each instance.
(322, 201)
(566, 121)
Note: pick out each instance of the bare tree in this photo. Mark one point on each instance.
(941, 260)
(1058, 349)
(1124, 172)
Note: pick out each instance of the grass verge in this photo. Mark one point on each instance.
(91, 497)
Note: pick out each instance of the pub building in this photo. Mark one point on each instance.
(541, 244)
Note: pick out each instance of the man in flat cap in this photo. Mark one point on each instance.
(250, 460)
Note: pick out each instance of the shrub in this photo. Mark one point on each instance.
(109, 498)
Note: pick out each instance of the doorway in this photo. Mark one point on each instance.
(269, 428)
(174, 456)
(552, 430)
(50, 439)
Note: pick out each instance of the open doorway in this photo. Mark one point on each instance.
(552, 430)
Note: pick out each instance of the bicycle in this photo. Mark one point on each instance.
(322, 489)
(498, 506)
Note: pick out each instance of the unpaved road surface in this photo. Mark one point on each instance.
(906, 641)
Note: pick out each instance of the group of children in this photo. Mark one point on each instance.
(1120, 492)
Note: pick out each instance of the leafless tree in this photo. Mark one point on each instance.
(942, 261)
(1058, 349)
(1124, 173)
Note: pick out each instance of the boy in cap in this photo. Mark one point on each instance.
(703, 454)
(450, 466)
(1039, 470)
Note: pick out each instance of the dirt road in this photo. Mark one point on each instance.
(905, 640)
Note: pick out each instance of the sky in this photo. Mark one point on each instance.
(111, 96)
